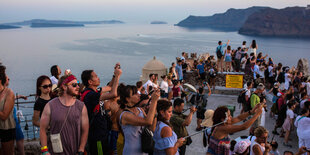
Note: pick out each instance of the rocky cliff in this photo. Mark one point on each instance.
(231, 20)
(288, 22)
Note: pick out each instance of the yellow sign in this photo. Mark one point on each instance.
(234, 81)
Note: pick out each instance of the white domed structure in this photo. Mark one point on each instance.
(153, 66)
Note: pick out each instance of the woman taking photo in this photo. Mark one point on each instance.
(219, 139)
(132, 118)
(7, 122)
(166, 142)
(43, 93)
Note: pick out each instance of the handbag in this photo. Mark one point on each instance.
(56, 139)
(147, 141)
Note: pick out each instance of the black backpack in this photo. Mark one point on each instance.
(241, 97)
(281, 77)
(219, 52)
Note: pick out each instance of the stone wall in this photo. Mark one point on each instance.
(192, 78)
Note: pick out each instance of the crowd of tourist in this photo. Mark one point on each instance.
(75, 118)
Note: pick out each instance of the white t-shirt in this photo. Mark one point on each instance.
(54, 80)
(164, 86)
(290, 113)
(149, 83)
(302, 103)
(255, 70)
(287, 79)
(308, 88)
(248, 93)
(302, 125)
(243, 62)
(270, 68)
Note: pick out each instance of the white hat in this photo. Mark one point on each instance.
(241, 146)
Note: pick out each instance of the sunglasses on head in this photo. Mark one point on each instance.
(46, 86)
(74, 84)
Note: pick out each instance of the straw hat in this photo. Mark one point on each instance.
(207, 122)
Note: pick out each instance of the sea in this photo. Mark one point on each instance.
(30, 52)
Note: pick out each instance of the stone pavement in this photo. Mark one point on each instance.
(215, 100)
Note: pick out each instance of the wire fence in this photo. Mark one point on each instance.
(24, 116)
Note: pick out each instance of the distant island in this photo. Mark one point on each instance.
(47, 24)
(258, 21)
(9, 27)
(60, 23)
(158, 22)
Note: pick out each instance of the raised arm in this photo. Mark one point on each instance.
(129, 118)
(236, 128)
(113, 92)
(188, 119)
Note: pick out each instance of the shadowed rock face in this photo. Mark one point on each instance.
(288, 22)
(231, 20)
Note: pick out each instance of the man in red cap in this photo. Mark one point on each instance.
(66, 117)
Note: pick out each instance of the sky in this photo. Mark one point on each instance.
(129, 11)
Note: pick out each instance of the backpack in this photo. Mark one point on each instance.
(281, 77)
(98, 113)
(219, 52)
(241, 97)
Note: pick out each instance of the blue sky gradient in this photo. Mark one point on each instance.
(130, 11)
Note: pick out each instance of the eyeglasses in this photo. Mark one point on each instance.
(74, 84)
(46, 86)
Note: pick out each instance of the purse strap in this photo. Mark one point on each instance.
(65, 119)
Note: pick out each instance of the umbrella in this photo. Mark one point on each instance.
(190, 87)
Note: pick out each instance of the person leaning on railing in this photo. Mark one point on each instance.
(43, 94)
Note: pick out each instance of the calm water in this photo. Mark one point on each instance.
(29, 53)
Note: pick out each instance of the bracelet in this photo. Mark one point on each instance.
(44, 150)
(43, 147)
(44, 153)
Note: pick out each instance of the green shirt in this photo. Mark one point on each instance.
(176, 121)
(254, 100)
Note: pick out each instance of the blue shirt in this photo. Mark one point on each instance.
(200, 68)
(178, 68)
(221, 48)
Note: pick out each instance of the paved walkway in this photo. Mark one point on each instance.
(215, 100)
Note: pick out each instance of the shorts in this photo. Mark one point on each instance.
(202, 76)
(19, 132)
(228, 59)
(7, 135)
(200, 113)
(113, 140)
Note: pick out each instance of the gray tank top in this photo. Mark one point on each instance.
(9, 123)
(132, 135)
(71, 132)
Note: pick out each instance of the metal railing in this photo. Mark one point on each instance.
(24, 112)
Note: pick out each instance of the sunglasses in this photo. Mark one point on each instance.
(47, 86)
(74, 84)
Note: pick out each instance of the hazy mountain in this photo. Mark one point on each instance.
(29, 22)
(231, 20)
(287, 22)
